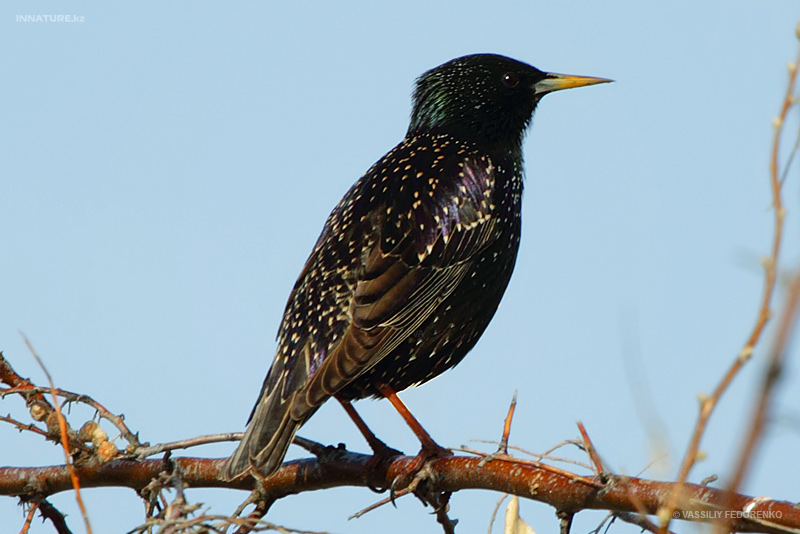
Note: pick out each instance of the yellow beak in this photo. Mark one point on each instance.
(557, 82)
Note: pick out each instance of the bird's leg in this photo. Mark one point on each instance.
(430, 449)
(380, 450)
(377, 446)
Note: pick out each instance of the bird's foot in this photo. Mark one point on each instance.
(416, 471)
(377, 466)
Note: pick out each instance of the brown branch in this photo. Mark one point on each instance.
(497, 506)
(450, 474)
(771, 376)
(764, 311)
(22, 426)
(547, 456)
(32, 507)
(216, 523)
(638, 520)
(254, 517)
(10, 377)
(486, 458)
(641, 511)
(65, 441)
(40, 408)
(28, 389)
(143, 452)
(789, 315)
(52, 513)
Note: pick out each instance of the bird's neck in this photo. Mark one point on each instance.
(505, 146)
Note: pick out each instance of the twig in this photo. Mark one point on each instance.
(520, 461)
(387, 500)
(639, 520)
(539, 457)
(22, 426)
(32, 507)
(590, 450)
(790, 159)
(507, 425)
(62, 424)
(709, 403)
(771, 377)
(789, 316)
(251, 499)
(143, 452)
(609, 518)
(254, 518)
(502, 446)
(216, 523)
(547, 456)
(29, 388)
(52, 513)
(441, 505)
(315, 448)
(496, 509)
(565, 522)
(42, 410)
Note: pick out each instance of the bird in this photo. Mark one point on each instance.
(412, 263)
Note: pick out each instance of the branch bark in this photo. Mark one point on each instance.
(340, 467)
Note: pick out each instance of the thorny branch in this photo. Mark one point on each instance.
(29, 515)
(42, 410)
(771, 376)
(64, 440)
(770, 273)
(446, 475)
(336, 466)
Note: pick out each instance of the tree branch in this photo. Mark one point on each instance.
(345, 468)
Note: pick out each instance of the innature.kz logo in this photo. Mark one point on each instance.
(50, 18)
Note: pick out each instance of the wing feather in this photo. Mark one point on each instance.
(398, 289)
(389, 255)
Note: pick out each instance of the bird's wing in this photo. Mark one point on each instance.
(369, 283)
(421, 254)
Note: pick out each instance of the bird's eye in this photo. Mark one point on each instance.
(510, 79)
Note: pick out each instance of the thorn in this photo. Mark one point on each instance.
(380, 503)
(317, 449)
(507, 425)
(708, 480)
(590, 450)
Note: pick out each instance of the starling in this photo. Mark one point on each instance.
(413, 261)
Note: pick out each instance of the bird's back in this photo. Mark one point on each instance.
(408, 271)
(406, 275)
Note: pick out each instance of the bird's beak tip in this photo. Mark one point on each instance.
(556, 82)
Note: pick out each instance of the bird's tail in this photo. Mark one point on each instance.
(266, 440)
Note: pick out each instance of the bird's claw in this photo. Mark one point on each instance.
(418, 470)
(375, 469)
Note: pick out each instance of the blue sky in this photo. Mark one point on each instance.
(166, 170)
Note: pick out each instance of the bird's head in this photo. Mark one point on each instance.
(485, 98)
